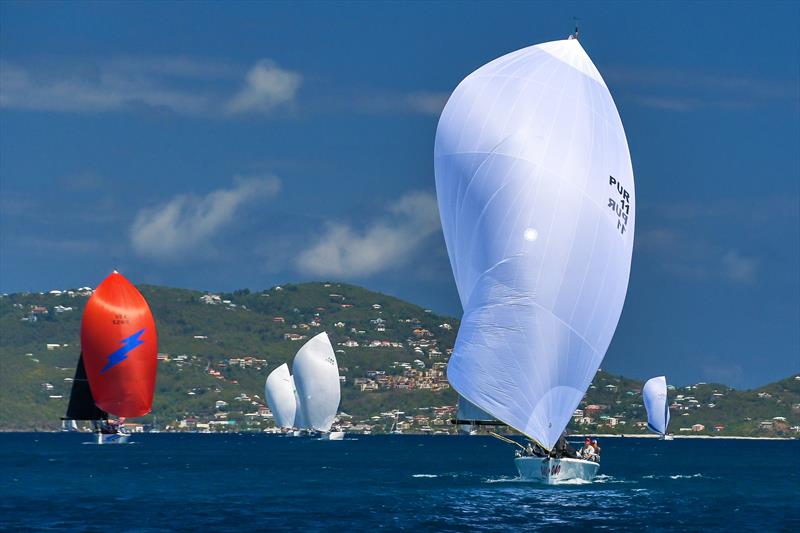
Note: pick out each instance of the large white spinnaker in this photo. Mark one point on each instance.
(654, 394)
(281, 397)
(316, 377)
(536, 197)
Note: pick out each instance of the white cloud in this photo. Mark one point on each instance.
(685, 90)
(346, 252)
(266, 87)
(738, 268)
(181, 85)
(382, 102)
(692, 258)
(186, 224)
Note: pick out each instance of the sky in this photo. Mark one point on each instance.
(218, 146)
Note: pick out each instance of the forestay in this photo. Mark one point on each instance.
(281, 397)
(316, 377)
(536, 197)
(654, 394)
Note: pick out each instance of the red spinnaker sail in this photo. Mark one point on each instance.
(120, 346)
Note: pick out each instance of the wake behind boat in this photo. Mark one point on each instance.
(536, 198)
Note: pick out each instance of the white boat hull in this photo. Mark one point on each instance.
(334, 435)
(554, 471)
(111, 438)
(667, 437)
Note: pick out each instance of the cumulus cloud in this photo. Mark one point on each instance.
(266, 87)
(739, 268)
(695, 259)
(181, 85)
(382, 102)
(346, 252)
(684, 90)
(187, 223)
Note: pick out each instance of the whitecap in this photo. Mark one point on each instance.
(424, 475)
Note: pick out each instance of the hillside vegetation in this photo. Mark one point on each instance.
(220, 348)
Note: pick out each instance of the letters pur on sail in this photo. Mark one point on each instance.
(120, 348)
(537, 203)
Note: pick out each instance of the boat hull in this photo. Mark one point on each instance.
(334, 435)
(554, 471)
(667, 437)
(111, 438)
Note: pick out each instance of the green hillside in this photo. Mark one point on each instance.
(220, 348)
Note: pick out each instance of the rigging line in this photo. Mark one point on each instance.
(506, 439)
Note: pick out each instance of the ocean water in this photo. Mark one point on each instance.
(164, 482)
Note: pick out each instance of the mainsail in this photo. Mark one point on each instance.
(281, 396)
(654, 394)
(536, 198)
(81, 403)
(119, 343)
(316, 378)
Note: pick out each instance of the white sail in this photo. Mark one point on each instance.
(316, 376)
(281, 397)
(536, 197)
(654, 394)
(299, 417)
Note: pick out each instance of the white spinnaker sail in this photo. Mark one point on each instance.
(316, 376)
(536, 197)
(281, 398)
(654, 394)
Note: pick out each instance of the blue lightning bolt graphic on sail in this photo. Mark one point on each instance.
(128, 344)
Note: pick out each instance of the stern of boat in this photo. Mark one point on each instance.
(555, 471)
(111, 438)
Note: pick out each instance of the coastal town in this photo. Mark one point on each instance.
(392, 361)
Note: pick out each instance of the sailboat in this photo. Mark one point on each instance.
(281, 397)
(116, 371)
(536, 197)
(307, 400)
(654, 394)
(469, 417)
(395, 429)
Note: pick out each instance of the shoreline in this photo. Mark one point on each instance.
(714, 437)
(572, 436)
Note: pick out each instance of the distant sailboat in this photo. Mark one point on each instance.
(395, 429)
(281, 399)
(469, 417)
(536, 197)
(309, 399)
(654, 394)
(116, 371)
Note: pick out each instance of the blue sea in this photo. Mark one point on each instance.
(172, 482)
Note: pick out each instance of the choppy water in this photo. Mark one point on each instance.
(421, 483)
